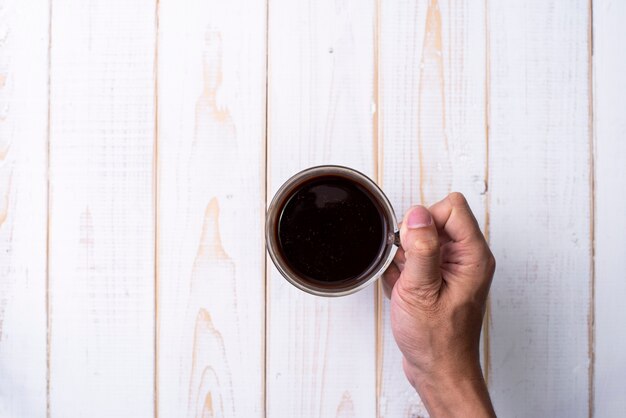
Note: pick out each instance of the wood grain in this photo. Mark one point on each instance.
(321, 351)
(133, 180)
(101, 256)
(540, 207)
(432, 132)
(211, 260)
(609, 66)
(23, 206)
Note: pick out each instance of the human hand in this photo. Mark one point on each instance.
(438, 285)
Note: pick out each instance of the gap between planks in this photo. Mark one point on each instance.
(592, 216)
(487, 317)
(378, 173)
(266, 266)
(155, 194)
(47, 302)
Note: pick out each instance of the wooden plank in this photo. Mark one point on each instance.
(101, 285)
(609, 66)
(321, 351)
(433, 137)
(211, 254)
(540, 207)
(23, 206)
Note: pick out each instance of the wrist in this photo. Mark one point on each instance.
(448, 394)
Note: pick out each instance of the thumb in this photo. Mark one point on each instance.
(420, 241)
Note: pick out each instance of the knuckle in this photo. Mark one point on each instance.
(426, 247)
(457, 199)
(427, 294)
(391, 273)
(424, 299)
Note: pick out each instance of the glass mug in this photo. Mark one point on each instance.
(331, 231)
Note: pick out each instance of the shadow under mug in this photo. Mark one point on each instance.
(389, 238)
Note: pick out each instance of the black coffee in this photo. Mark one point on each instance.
(330, 230)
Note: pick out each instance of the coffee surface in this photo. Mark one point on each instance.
(330, 230)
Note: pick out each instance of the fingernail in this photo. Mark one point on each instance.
(419, 217)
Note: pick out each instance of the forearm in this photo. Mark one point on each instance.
(439, 285)
(447, 396)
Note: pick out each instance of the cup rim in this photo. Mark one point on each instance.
(271, 218)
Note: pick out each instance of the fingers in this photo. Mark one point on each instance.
(392, 274)
(454, 216)
(466, 256)
(390, 277)
(420, 241)
(400, 258)
(444, 240)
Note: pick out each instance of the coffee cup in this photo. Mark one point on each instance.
(331, 231)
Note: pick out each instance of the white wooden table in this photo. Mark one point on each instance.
(140, 142)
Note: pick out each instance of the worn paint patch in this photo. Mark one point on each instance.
(210, 240)
(212, 289)
(208, 354)
(4, 202)
(346, 406)
(434, 158)
(4, 208)
(207, 411)
(4, 151)
(207, 104)
(214, 146)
